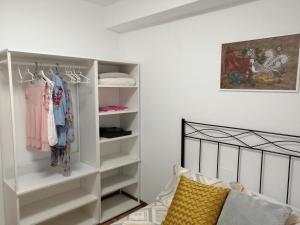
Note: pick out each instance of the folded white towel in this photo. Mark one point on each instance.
(117, 81)
(113, 75)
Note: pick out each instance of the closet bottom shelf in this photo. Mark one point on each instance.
(116, 205)
(77, 217)
(46, 209)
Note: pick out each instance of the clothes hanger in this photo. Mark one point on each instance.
(72, 79)
(87, 80)
(27, 72)
(56, 68)
(43, 76)
(73, 73)
(50, 71)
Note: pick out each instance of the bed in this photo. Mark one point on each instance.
(264, 145)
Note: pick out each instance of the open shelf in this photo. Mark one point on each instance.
(54, 206)
(116, 160)
(118, 112)
(45, 178)
(116, 205)
(120, 156)
(76, 217)
(117, 86)
(106, 140)
(116, 182)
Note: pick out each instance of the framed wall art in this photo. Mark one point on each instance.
(269, 64)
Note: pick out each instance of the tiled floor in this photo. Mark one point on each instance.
(124, 214)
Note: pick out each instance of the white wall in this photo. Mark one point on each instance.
(180, 67)
(124, 11)
(132, 15)
(64, 27)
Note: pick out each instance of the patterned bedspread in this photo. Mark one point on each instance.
(152, 214)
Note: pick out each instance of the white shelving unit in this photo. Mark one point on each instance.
(118, 112)
(54, 206)
(106, 140)
(117, 86)
(46, 178)
(119, 157)
(36, 193)
(116, 160)
(116, 182)
(76, 217)
(116, 205)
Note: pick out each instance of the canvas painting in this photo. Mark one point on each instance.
(263, 64)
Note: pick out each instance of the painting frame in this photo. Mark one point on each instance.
(292, 69)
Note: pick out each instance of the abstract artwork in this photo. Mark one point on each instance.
(263, 64)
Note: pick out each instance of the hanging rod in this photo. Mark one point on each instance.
(45, 64)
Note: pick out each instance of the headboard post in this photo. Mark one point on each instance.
(182, 141)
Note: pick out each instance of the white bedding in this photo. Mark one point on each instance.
(113, 75)
(155, 213)
(126, 81)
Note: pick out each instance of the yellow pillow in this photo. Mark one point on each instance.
(195, 204)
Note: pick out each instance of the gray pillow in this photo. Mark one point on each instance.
(242, 209)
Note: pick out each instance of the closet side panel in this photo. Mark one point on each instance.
(6, 128)
(88, 116)
(11, 207)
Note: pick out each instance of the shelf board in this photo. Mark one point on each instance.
(116, 182)
(46, 178)
(117, 86)
(113, 161)
(105, 140)
(116, 205)
(76, 217)
(118, 112)
(54, 206)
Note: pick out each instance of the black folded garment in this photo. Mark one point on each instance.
(112, 132)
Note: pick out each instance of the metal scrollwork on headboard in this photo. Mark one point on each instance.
(242, 139)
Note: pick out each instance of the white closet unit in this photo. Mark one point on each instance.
(119, 157)
(34, 192)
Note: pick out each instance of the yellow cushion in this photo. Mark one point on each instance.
(195, 204)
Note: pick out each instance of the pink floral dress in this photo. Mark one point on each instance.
(37, 99)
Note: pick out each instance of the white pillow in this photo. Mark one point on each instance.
(166, 196)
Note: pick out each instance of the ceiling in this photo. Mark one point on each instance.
(104, 2)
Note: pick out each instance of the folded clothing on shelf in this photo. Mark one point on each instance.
(112, 108)
(113, 132)
(116, 79)
(113, 75)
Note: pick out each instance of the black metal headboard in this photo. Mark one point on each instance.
(281, 145)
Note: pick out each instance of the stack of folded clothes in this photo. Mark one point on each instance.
(112, 108)
(113, 132)
(116, 78)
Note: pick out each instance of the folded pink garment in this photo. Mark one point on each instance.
(112, 108)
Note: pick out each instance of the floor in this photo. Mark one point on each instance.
(124, 214)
